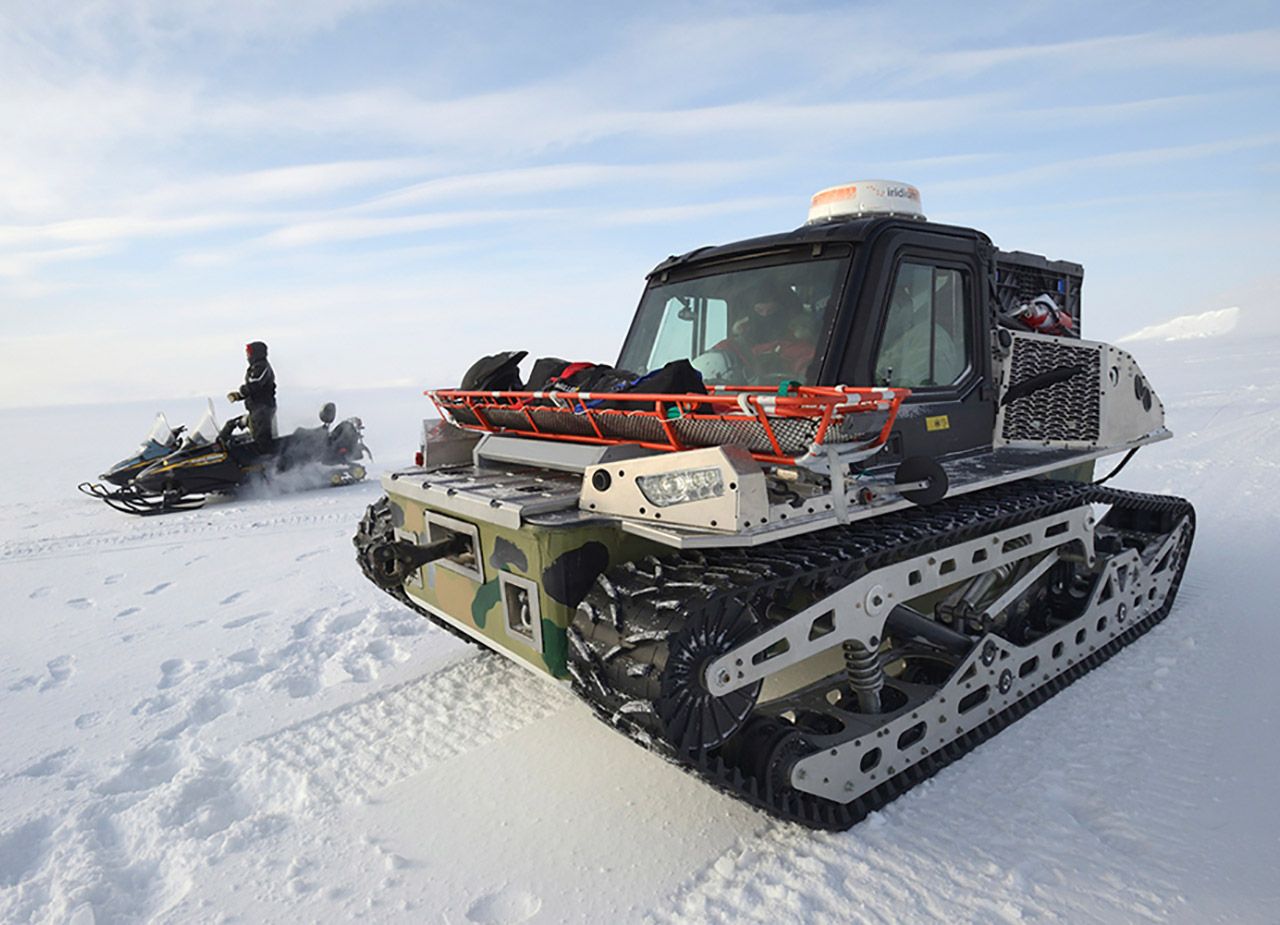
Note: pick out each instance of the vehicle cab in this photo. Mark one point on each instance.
(867, 293)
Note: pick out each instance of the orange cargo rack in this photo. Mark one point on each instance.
(784, 429)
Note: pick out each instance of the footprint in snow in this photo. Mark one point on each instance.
(360, 668)
(50, 764)
(505, 907)
(128, 612)
(246, 675)
(249, 669)
(80, 603)
(148, 767)
(113, 579)
(208, 801)
(232, 598)
(393, 861)
(308, 554)
(346, 621)
(23, 683)
(88, 720)
(152, 705)
(60, 670)
(300, 686)
(176, 670)
(39, 593)
(207, 708)
(244, 621)
(158, 588)
(305, 628)
(22, 850)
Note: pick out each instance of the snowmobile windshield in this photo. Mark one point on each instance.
(757, 322)
(160, 433)
(203, 433)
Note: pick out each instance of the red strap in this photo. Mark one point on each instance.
(571, 370)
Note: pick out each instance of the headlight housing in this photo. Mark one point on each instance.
(681, 486)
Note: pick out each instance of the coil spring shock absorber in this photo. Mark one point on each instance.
(962, 608)
(862, 666)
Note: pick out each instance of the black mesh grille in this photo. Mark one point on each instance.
(622, 426)
(1068, 410)
(559, 422)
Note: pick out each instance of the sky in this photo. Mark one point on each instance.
(385, 191)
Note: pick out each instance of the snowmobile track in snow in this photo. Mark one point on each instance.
(389, 736)
(154, 532)
(210, 805)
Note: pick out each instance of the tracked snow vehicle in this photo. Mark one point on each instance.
(874, 542)
(211, 460)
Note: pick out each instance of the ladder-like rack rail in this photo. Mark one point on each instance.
(799, 427)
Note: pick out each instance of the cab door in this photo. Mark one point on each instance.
(919, 326)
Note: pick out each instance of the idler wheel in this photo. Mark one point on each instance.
(767, 749)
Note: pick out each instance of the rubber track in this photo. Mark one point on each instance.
(375, 527)
(833, 558)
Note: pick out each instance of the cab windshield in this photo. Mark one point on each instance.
(757, 325)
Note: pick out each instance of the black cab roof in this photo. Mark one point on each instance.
(849, 231)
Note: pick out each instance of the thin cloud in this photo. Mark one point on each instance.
(23, 263)
(328, 231)
(553, 178)
(1239, 51)
(99, 31)
(1098, 113)
(1144, 157)
(683, 213)
(299, 181)
(120, 228)
(537, 119)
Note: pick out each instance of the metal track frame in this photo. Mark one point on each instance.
(995, 675)
(857, 612)
(644, 613)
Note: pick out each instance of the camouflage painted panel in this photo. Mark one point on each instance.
(529, 583)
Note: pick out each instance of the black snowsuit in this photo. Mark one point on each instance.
(259, 394)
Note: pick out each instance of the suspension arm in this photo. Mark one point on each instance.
(858, 611)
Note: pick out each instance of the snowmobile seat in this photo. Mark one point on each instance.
(242, 449)
(345, 439)
(304, 445)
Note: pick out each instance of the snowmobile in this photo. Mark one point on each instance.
(219, 460)
(160, 441)
(870, 542)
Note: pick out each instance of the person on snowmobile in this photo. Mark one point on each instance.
(259, 396)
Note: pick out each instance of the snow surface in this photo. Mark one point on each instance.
(211, 716)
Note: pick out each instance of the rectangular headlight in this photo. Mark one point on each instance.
(681, 486)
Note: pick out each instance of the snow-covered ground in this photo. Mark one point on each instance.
(211, 716)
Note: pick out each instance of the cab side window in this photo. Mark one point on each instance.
(926, 331)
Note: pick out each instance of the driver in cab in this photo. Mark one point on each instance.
(771, 340)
